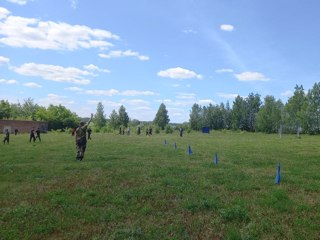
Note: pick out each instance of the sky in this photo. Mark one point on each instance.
(141, 53)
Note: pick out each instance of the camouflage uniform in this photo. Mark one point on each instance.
(81, 139)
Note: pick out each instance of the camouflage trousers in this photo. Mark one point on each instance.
(81, 148)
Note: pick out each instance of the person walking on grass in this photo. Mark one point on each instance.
(38, 134)
(32, 136)
(6, 137)
(81, 138)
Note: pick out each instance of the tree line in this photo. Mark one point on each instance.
(300, 113)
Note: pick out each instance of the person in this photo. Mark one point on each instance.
(73, 131)
(38, 135)
(120, 131)
(181, 131)
(81, 138)
(89, 133)
(32, 136)
(7, 136)
(128, 131)
(16, 131)
(138, 130)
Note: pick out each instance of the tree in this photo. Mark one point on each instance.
(295, 108)
(123, 116)
(5, 109)
(313, 109)
(161, 119)
(99, 118)
(114, 119)
(239, 120)
(196, 117)
(253, 106)
(269, 116)
(58, 117)
(29, 109)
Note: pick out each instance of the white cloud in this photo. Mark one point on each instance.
(109, 93)
(189, 31)
(179, 73)
(11, 81)
(20, 2)
(206, 102)
(4, 12)
(224, 70)
(135, 102)
(32, 85)
(74, 89)
(4, 60)
(18, 31)
(251, 76)
(135, 93)
(127, 53)
(227, 27)
(55, 99)
(74, 3)
(54, 73)
(186, 96)
(287, 93)
(92, 67)
(227, 95)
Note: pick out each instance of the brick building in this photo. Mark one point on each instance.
(23, 126)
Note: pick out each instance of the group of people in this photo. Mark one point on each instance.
(34, 135)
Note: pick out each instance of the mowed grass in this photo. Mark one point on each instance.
(137, 187)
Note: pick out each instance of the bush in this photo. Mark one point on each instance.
(168, 129)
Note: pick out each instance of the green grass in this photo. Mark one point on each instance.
(136, 187)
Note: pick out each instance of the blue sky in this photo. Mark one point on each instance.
(146, 52)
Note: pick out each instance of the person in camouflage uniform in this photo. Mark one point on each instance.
(81, 138)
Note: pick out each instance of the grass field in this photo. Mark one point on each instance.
(136, 187)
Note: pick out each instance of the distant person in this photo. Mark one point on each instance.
(181, 131)
(138, 130)
(6, 137)
(150, 131)
(16, 131)
(32, 136)
(81, 138)
(89, 133)
(38, 132)
(128, 131)
(120, 131)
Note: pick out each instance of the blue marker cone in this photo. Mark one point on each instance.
(278, 176)
(215, 159)
(189, 150)
(165, 142)
(175, 145)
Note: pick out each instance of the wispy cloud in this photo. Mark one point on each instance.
(19, 31)
(224, 70)
(4, 60)
(92, 67)
(179, 73)
(112, 92)
(189, 31)
(32, 85)
(227, 27)
(74, 3)
(227, 95)
(127, 53)
(205, 102)
(11, 81)
(54, 73)
(55, 99)
(287, 93)
(251, 76)
(20, 2)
